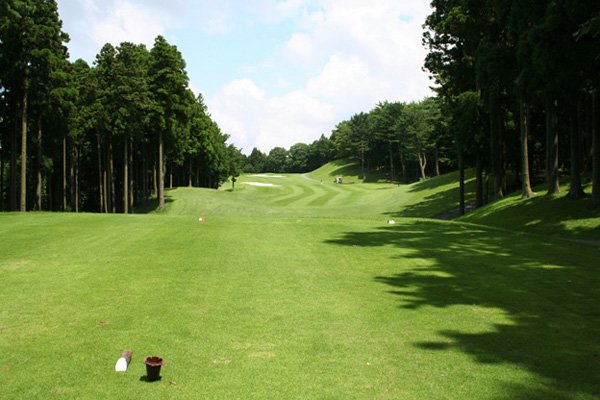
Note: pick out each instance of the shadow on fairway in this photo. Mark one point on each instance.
(541, 213)
(433, 205)
(152, 205)
(548, 292)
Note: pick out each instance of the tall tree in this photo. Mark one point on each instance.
(168, 82)
(359, 125)
(30, 32)
(133, 97)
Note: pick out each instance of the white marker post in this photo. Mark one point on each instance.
(124, 361)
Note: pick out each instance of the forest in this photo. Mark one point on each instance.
(101, 138)
(515, 96)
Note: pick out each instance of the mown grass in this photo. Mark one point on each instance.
(350, 171)
(266, 301)
(294, 195)
(555, 215)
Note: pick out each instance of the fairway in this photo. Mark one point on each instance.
(300, 290)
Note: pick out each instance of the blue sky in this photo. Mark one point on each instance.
(272, 73)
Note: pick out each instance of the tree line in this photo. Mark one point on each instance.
(516, 92)
(394, 139)
(517, 83)
(516, 87)
(101, 138)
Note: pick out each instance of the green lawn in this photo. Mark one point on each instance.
(296, 291)
(548, 215)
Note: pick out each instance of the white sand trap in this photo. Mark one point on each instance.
(267, 176)
(260, 184)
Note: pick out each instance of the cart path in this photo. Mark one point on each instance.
(307, 178)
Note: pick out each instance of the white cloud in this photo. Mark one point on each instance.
(92, 23)
(369, 51)
(349, 82)
(360, 53)
(299, 47)
(243, 110)
(127, 22)
(342, 57)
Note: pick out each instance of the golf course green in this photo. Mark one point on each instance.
(293, 287)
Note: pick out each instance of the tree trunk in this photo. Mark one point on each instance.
(38, 166)
(105, 187)
(197, 175)
(479, 180)
(64, 171)
(422, 163)
(111, 177)
(13, 162)
(76, 177)
(100, 186)
(23, 199)
(497, 142)
(437, 162)
(402, 163)
(154, 179)
(595, 200)
(552, 148)
(161, 174)
(486, 188)
(106, 178)
(125, 174)
(461, 192)
(576, 190)
(131, 175)
(526, 191)
(144, 176)
(362, 161)
(586, 138)
(391, 162)
(1, 180)
(72, 178)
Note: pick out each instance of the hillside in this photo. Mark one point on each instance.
(549, 215)
(315, 195)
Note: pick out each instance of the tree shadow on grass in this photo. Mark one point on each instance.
(433, 205)
(547, 292)
(152, 205)
(446, 179)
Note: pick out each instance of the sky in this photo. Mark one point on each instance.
(273, 73)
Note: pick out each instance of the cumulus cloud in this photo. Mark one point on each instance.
(243, 110)
(92, 23)
(340, 57)
(359, 53)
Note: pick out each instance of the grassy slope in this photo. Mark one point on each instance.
(349, 170)
(549, 215)
(265, 301)
(294, 195)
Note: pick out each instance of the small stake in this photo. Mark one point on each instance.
(123, 361)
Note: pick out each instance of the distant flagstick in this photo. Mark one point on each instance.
(124, 361)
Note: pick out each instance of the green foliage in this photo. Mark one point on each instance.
(541, 55)
(106, 120)
(548, 215)
(394, 136)
(276, 160)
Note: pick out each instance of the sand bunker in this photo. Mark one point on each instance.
(267, 176)
(260, 184)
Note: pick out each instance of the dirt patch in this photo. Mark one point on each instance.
(265, 355)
